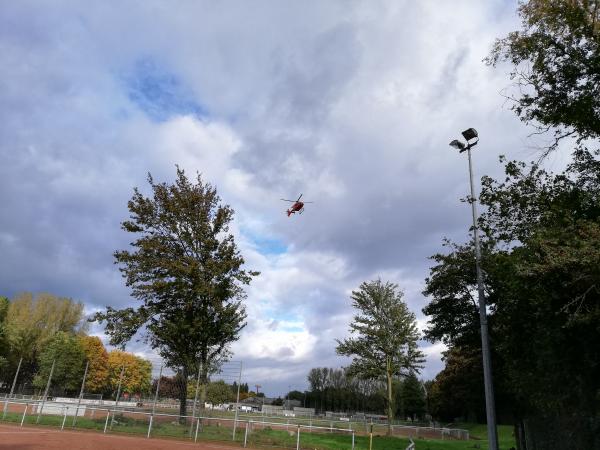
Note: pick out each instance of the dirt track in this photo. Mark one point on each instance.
(36, 438)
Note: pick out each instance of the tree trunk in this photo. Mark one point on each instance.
(183, 396)
(203, 381)
(389, 395)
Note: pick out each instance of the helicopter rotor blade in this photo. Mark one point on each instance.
(299, 198)
(286, 200)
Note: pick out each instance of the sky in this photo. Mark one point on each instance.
(350, 103)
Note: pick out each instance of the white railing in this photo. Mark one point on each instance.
(411, 431)
(107, 419)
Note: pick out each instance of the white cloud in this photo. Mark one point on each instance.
(284, 341)
(352, 104)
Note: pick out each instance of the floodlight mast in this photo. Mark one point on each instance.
(472, 139)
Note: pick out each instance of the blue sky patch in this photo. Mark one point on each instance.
(159, 93)
(266, 245)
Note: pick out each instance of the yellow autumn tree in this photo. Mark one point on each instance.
(31, 322)
(137, 375)
(97, 356)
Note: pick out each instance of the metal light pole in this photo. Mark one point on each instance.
(472, 138)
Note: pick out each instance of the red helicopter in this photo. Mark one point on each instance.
(297, 207)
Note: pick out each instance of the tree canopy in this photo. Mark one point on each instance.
(32, 321)
(385, 342)
(97, 356)
(65, 352)
(187, 272)
(556, 65)
(137, 374)
(4, 346)
(218, 392)
(541, 260)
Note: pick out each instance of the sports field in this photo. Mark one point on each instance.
(38, 438)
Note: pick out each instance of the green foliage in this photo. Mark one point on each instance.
(295, 395)
(386, 336)
(413, 397)
(68, 356)
(186, 270)
(31, 322)
(4, 348)
(556, 59)
(452, 284)
(219, 392)
(338, 390)
(386, 333)
(542, 235)
(457, 390)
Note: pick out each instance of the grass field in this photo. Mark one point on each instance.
(268, 437)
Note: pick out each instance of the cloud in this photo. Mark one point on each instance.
(351, 104)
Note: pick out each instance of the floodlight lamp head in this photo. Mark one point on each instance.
(457, 144)
(469, 134)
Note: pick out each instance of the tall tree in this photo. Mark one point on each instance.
(457, 391)
(32, 322)
(170, 387)
(541, 265)
(386, 336)
(218, 393)
(97, 356)
(413, 397)
(556, 59)
(4, 346)
(137, 373)
(65, 352)
(186, 271)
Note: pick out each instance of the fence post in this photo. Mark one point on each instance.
(106, 422)
(118, 395)
(246, 434)
(65, 409)
(195, 398)
(155, 399)
(298, 438)
(353, 440)
(150, 426)
(371, 438)
(87, 364)
(237, 401)
(197, 426)
(24, 412)
(12, 389)
(46, 391)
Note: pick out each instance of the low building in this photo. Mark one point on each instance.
(272, 410)
(304, 412)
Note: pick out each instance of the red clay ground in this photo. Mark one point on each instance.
(32, 438)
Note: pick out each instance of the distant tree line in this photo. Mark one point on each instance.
(44, 330)
(217, 392)
(337, 390)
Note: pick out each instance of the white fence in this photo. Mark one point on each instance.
(92, 407)
(118, 419)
